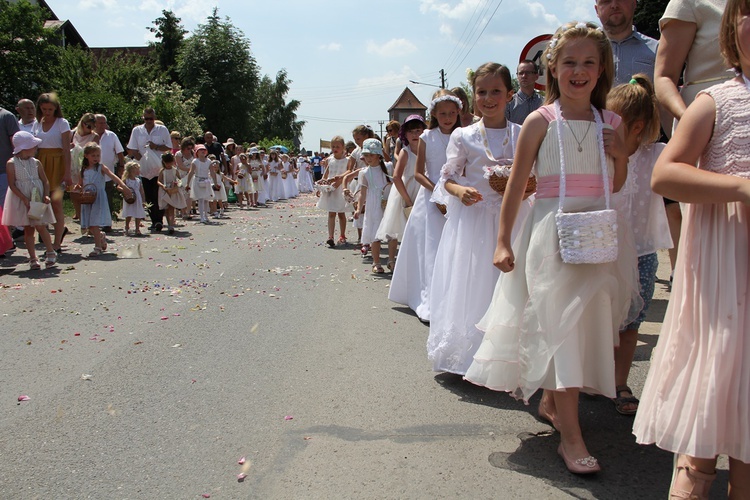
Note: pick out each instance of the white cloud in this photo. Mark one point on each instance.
(462, 10)
(95, 4)
(333, 47)
(388, 78)
(393, 47)
(446, 30)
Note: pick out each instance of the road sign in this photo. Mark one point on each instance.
(533, 51)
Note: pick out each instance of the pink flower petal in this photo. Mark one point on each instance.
(288, 417)
(206, 495)
(241, 461)
(24, 397)
(164, 318)
(241, 477)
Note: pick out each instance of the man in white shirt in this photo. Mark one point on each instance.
(112, 155)
(155, 137)
(27, 113)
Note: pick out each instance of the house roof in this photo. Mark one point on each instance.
(66, 27)
(407, 100)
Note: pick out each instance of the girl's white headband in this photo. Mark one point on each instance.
(444, 98)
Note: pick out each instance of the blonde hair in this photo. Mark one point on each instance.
(339, 139)
(364, 130)
(129, 166)
(87, 117)
(636, 101)
(728, 42)
(572, 31)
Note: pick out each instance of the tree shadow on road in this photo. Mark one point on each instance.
(628, 471)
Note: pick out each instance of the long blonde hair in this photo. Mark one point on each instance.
(86, 118)
(129, 166)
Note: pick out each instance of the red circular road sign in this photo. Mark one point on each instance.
(533, 51)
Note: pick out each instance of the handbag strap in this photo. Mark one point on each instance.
(602, 155)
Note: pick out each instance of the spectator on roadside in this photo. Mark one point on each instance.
(527, 99)
(392, 143)
(150, 137)
(27, 115)
(317, 168)
(112, 157)
(8, 127)
(176, 139)
(215, 148)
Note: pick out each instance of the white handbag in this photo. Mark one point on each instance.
(586, 237)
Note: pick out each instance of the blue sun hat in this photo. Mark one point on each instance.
(372, 146)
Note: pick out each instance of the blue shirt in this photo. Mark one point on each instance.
(316, 163)
(635, 54)
(522, 105)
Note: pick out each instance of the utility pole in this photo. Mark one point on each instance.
(381, 122)
(442, 78)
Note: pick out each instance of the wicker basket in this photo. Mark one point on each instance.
(240, 175)
(442, 208)
(129, 199)
(85, 195)
(498, 184)
(283, 175)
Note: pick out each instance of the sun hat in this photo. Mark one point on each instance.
(24, 140)
(198, 147)
(372, 146)
(229, 141)
(253, 151)
(402, 130)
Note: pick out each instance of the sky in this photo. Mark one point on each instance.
(348, 61)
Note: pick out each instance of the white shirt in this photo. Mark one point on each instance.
(139, 138)
(29, 127)
(111, 147)
(52, 138)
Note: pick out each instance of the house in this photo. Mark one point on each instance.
(406, 104)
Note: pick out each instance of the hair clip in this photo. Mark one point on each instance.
(633, 81)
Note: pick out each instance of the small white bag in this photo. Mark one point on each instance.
(586, 237)
(36, 207)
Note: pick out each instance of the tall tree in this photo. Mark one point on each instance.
(215, 65)
(27, 52)
(647, 15)
(276, 117)
(170, 34)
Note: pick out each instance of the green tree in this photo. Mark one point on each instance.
(647, 15)
(170, 34)
(276, 117)
(216, 66)
(172, 107)
(27, 52)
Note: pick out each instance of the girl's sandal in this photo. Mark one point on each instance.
(391, 265)
(378, 269)
(51, 259)
(688, 482)
(34, 265)
(96, 252)
(342, 241)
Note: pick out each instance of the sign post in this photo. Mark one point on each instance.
(533, 52)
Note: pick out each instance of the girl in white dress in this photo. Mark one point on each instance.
(257, 171)
(304, 178)
(183, 159)
(288, 180)
(26, 180)
(275, 185)
(245, 186)
(199, 181)
(412, 277)
(401, 198)
(464, 277)
(359, 134)
(552, 324)
(131, 176)
(83, 134)
(373, 179)
(170, 196)
(333, 201)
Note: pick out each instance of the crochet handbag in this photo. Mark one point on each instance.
(586, 237)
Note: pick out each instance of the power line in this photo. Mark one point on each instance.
(480, 35)
(469, 37)
(460, 38)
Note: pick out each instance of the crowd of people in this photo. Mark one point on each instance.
(523, 228)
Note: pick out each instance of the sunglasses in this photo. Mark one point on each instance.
(148, 119)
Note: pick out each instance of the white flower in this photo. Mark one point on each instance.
(581, 25)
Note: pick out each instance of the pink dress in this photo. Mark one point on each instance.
(696, 400)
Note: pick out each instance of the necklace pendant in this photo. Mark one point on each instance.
(580, 148)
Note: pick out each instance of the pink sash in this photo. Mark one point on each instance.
(577, 185)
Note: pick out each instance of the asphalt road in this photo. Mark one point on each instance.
(151, 371)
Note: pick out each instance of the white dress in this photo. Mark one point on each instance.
(394, 219)
(290, 183)
(244, 180)
(354, 185)
(410, 284)
(304, 178)
(200, 184)
(275, 185)
(375, 181)
(554, 325)
(334, 201)
(15, 212)
(135, 209)
(464, 276)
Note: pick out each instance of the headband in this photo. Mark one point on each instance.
(444, 98)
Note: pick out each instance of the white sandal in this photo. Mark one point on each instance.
(51, 259)
(96, 252)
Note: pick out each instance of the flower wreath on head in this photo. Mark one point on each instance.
(555, 39)
(444, 98)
